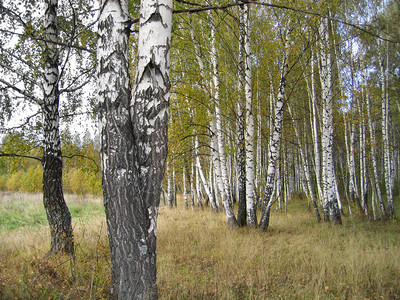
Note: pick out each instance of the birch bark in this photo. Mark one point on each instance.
(274, 149)
(314, 130)
(241, 155)
(386, 135)
(249, 132)
(224, 187)
(331, 208)
(203, 178)
(57, 212)
(133, 139)
(371, 127)
(306, 169)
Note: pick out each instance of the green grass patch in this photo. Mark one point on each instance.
(19, 210)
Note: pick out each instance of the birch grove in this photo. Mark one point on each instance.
(255, 104)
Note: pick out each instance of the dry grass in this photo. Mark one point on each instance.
(200, 258)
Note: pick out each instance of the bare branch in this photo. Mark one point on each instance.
(83, 156)
(2, 154)
(20, 91)
(305, 12)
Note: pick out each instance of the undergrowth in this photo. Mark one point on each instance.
(200, 258)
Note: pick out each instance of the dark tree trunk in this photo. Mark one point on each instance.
(57, 211)
(134, 140)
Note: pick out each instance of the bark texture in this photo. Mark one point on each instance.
(274, 149)
(331, 207)
(134, 140)
(58, 215)
(223, 178)
(249, 132)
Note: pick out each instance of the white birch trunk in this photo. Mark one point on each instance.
(274, 149)
(185, 196)
(249, 132)
(363, 161)
(198, 188)
(231, 220)
(304, 162)
(241, 153)
(169, 187)
(375, 180)
(314, 130)
(203, 179)
(331, 209)
(192, 190)
(386, 136)
(58, 214)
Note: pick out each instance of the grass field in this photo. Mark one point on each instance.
(200, 258)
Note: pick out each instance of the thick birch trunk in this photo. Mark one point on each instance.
(134, 140)
(231, 220)
(57, 212)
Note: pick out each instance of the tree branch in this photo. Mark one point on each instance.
(2, 154)
(83, 156)
(305, 12)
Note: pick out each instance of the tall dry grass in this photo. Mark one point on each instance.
(200, 258)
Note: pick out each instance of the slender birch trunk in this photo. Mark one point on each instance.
(192, 191)
(331, 209)
(304, 162)
(314, 130)
(203, 179)
(185, 192)
(231, 220)
(363, 161)
(259, 174)
(169, 187)
(241, 154)
(274, 149)
(386, 135)
(198, 188)
(174, 186)
(376, 185)
(57, 212)
(249, 132)
(133, 139)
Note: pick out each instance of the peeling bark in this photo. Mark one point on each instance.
(133, 140)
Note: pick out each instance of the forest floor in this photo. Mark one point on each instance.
(200, 258)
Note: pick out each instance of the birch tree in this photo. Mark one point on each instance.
(134, 139)
(385, 132)
(241, 152)
(57, 211)
(249, 132)
(331, 208)
(274, 147)
(223, 179)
